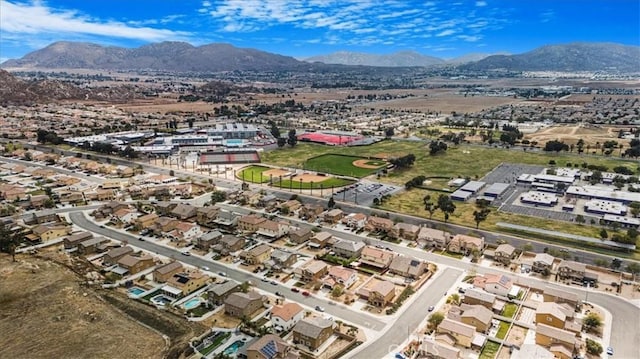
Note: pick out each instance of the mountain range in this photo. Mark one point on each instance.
(217, 57)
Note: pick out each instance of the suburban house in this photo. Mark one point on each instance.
(348, 249)
(184, 212)
(461, 243)
(256, 255)
(226, 219)
(560, 296)
(166, 271)
(73, 240)
(281, 259)
(310, 212)
(163, 225)
(576, 271)
(136, 264)
(504, 253)
(431, 349)
(48, 232)
(376, 257)
(408, 267)
(405, 231)
(312, 332)
(355, 220)
(313, 270)
(291, 206)
(320, 240)
(433, 238)
(557, 316)
(113, 256)
(543, 263)
(477, 316)
(185, 283)
(42, 217)
(124, 215)
(205, 216)
(300, 235)
(285, 316)
(238, 304)
(378, 224)
(219, 292)
(342, 276)
(497, 284)
(477, 296)
(165, 208)
(92, 245)
(208, 240)
(185, 231)
(271, 346)
(377, 292)
(462, 333)
(249, 223)
(145, 221)
(230, 244)
(333, 216)
(560, 342)
(272, 229)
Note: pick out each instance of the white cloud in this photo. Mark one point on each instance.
(547, 16)
(470, 38)
(35, 19)
(396, 14)
(446, 33)
(481, 3)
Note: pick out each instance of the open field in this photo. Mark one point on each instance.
(45, 313)
(590, 134)
(344, 165)
(458, 161)
(260, 174)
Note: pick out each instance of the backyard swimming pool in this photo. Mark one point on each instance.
(233, 348)
(135, 291)
(160, 300)
(191, 303)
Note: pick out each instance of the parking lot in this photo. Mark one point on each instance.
(364, 192)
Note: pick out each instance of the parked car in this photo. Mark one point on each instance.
(609, 351)
(141, 239)
(319, 308)
(223, 274)
(186, 253)
(295, 290)
(305, 293)
(273, 282)
(205, 268)
(431, 308)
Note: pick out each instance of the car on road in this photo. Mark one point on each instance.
(461, 290)
(205, 268)
(186, 254)
(141, 239)
(264, 279)
(223, 274)
(295, 290)
(609, 351)
(431, 308)
(305, 293)
(273, 282)
(102, 226)
(319, 308)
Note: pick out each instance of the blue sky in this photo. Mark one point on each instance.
(303, 28)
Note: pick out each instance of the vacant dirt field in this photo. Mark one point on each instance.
(590, 134)
(46, 313)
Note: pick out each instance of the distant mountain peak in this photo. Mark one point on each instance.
(405, 58)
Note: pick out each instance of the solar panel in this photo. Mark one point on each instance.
(269, 350)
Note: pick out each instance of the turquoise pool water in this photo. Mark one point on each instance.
(136, 290)
(233, 348)
(191, 303)
(161, 300)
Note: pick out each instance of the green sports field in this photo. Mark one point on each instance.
(342, 165)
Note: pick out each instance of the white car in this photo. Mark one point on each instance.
(205, 268)
(319, 308)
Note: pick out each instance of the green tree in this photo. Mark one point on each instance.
(292, 140)
(593, 347)
(591, 321)
(282, 141)
(429, 206)
(337, 291)
(435, 319)
(480, 216)
(445, 204)
(331, 203)
(9, 241)
(604, 234)
(218, 196)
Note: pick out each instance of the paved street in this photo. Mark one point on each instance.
(338, 310)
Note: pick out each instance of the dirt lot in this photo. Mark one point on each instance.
(571, 134)
(516, 335)
(51, 313)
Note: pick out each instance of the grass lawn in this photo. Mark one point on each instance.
(502, 330)
(450, 254)
(341, 165)
(252, 174)
(509, 310)
(489, 351)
